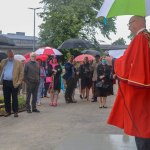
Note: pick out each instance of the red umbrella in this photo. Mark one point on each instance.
(81, 57)
(48, 51)
(41, 57)
(26, 60)
(27, 55)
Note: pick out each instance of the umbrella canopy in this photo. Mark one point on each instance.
(27, 55)
(91, 52)
(19, 57)
(75, 43)
(2, 55)
(81, 57)
(6, 41)
(48, 51)
(41, 57)
(112, 8)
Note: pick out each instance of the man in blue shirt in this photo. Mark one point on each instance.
(11, 71)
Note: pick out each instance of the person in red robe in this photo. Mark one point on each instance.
(131, 109)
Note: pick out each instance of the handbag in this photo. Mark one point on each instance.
(101, 84)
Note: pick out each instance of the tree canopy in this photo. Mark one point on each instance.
(64, 19)
(120, 41)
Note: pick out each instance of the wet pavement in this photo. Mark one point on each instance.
(80, 126)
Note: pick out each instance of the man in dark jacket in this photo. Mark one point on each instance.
(32, 78)
(70, 80)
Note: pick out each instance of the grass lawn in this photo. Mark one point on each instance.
(21, 100)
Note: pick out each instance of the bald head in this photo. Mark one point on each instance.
(136, 23)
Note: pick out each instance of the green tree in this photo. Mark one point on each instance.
(64, 19)
(120, 41)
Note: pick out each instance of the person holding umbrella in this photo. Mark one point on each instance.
(54, 71)
(131, 110)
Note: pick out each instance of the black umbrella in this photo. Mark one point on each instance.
(75, 43)
(6, 41)
(2, 55)
(91, 52)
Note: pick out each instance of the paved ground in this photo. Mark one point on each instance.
(67, 127)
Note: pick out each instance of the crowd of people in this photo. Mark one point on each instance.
(40, 79)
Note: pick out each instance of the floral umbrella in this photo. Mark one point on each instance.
(81, 57)
(112, 8)
(48, 51)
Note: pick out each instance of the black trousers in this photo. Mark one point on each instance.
(32, 89)
(95, 96)
(8, 91)
(46, 88)
(69, 90)
(142, 143)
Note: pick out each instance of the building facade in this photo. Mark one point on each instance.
(23, 43)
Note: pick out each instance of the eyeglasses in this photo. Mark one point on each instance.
(130, 23)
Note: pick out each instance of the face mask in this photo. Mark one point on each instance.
(104, 61)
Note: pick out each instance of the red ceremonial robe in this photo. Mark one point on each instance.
(131, 110)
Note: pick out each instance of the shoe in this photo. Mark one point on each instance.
(81, 97)
(7, 114)
(104, 106)
(16, 115)
(29, 111)
(35, 110)
(100, 107)
(94, 101)
(73, 101)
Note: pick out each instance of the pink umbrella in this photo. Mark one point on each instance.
(48, 51)
(81, 57)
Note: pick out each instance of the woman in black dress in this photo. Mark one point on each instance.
(54, 71)
(104, 83)
(86, 74)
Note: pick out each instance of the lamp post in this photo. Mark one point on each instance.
(34, 9)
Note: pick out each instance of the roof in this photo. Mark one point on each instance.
(19, 37)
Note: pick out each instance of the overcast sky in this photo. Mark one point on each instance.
(16, 17)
